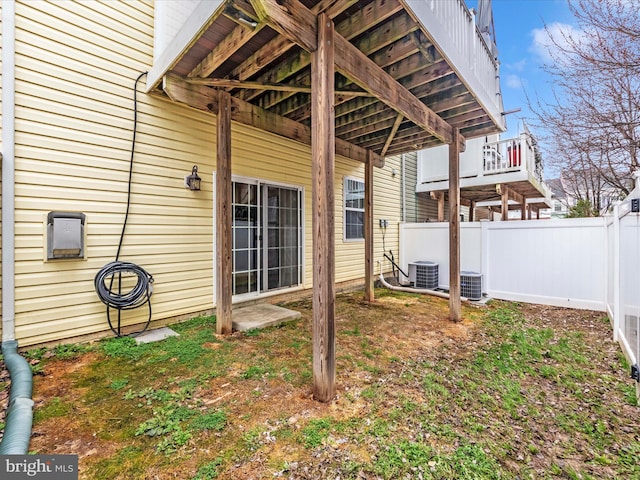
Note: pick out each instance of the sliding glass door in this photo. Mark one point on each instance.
(267, 237)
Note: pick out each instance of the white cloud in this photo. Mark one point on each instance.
(544, 47)
(517, 66)
(514, 81)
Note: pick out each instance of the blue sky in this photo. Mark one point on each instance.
(521, 38)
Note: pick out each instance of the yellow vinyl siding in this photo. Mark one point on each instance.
(386, 205)
(75, 68)
(76, 64)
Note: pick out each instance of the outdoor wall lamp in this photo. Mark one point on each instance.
(192, 182)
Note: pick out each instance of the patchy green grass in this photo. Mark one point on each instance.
(515, 391)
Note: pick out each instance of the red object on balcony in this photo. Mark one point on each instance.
(513, 152)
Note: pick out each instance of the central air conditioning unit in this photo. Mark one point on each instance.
(471, 285)
(424, 274)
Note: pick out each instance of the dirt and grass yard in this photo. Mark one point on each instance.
(513, 391)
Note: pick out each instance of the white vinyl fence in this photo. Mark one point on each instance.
(589, 263)
(623, 294)
(554, 262)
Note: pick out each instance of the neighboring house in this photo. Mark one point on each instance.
(559, 200)
(568, 190)
(68, 76)
(497, 175)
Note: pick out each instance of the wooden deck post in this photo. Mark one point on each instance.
(504, 191)
(441, 206)
(368, 230)
(472, 207)
(223, 216)
(323, 211)
(523, 208)
(454, 227)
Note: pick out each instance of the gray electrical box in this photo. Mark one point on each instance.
(65, 235)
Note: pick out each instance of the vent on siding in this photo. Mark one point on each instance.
(471, 285)
(424, 274)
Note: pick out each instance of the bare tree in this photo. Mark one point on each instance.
(593, 123)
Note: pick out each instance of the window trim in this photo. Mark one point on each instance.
(345, 209)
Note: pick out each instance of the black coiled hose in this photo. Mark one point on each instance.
(115, 291)
(135, 297)
(110, 281)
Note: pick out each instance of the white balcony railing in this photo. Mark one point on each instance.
(484, 163)
(511, 155)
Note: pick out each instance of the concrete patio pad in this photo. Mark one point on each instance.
(260, 316)
(155, 335)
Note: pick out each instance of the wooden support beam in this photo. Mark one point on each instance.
(441, 206)
(392, 134)
(523, 208)
(529, 212)
(472, 208)
(504, 197)
(433, 82)
(292, 19)
(368, 231)
(454, 228)
(206, 98)
(410, 69)
(363, 71)
(223, 216)
(323, 212)
(515, 196)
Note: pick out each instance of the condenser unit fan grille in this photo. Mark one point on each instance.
(424, 274)
(471, 285)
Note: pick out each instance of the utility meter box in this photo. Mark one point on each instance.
(65, 235)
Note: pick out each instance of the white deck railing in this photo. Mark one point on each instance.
(511, 155)
(484, 163)
(452, 28)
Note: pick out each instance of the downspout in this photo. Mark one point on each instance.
(19, 417)
(8, 169)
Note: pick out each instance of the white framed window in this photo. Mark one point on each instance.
(353, 194)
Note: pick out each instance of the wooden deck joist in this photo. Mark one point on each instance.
(292, 19)
(261, 54)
